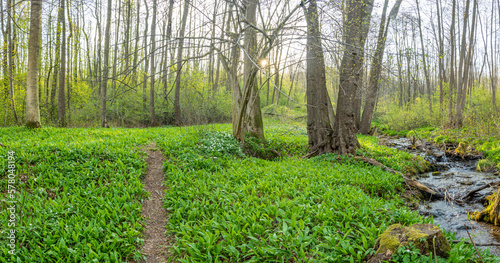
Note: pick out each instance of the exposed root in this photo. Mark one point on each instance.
(409, 182)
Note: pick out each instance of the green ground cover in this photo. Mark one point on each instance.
(80, 195)
(489, 145)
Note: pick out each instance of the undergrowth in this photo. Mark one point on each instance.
(81, 194)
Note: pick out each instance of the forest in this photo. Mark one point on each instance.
(249, 131)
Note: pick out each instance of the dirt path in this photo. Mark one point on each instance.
(155, 247)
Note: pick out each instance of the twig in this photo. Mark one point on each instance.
(472, 192)
(473, 244)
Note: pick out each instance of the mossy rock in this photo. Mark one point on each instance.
(490, 214)
(427, 238)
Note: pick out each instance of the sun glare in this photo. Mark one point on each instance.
(263, 62)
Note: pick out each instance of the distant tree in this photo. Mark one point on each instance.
(61, 98)
(32, 101)
(180, 47)
(104, 81)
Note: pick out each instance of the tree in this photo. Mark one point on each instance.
(452, 62)
(152, 116)
(376, 67)
(104, 81)
(10, 56)
(427, 81)
(319, 129)
(61, 106)
(344, 130)
(250, 117)
(177, 103)
(32, 101)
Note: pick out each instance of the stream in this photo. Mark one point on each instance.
(456, 177)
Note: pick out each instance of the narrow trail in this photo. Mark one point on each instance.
(156, 244)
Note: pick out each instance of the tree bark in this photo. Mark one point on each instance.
(152, 115)
(10, 55)
(440, 57)
(376, 68)
(250, 116)
(177, 105)
(61, 105)
(345, 128)
(426, 73)
(468, 62)
(104, 81)
(452, 63)
(319, 129)
(32, 100)
(462, 64)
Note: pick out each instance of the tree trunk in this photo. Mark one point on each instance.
(152, 116)
(61, 106)
(468, 64)
(344, 136)
(457, 122)
(426, 74)
(364, 29)
(319, 129)
(250, 117)
(167, 64)
(10, 55)
(32, 100)
(440, 58)
(452, 63)
(376, 68)
(136, 48)
(104, 81)
(177, 105)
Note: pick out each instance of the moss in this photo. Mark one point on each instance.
(461, 149)
(491, 214)
(427, 238)
(389, 240)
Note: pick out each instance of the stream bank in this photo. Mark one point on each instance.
(454, 177)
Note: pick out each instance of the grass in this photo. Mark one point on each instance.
(80, 196)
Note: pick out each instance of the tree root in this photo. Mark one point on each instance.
(409, 182)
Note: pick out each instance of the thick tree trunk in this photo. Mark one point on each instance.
(345, 128)
(249, 119)
(177, 105)
(319, 129)
(32, 100)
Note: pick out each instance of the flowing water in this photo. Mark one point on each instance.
(455, 177)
